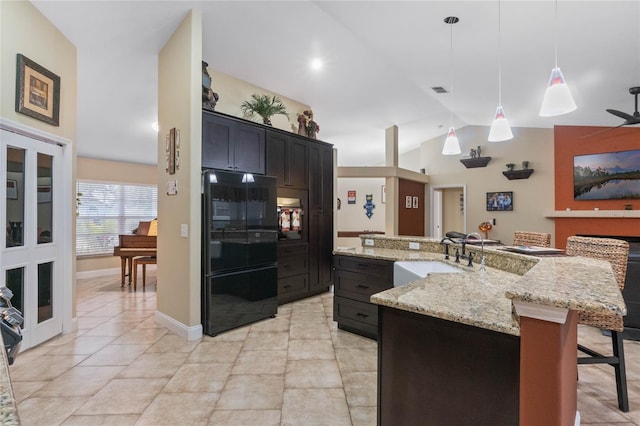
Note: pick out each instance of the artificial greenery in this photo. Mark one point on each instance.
(265, 106)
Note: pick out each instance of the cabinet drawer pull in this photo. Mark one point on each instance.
(362, 286)
(361, 315)
(363, 265)
(287, 286)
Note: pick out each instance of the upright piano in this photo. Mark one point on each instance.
(142, 243)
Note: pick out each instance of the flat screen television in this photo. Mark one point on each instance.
(607, 176)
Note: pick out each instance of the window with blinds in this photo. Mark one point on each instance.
(106, 210)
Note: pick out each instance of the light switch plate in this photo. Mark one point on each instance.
(414, 246)
(172, 187)
(184, 230)
(368, 242)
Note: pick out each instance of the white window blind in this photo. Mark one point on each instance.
(106, 210)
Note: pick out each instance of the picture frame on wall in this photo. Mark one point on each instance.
(12, 189)
(500, 201)
(37, 91)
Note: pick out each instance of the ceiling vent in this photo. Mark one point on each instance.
(439, 89)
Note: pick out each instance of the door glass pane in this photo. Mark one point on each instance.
(15, 283)
(15, 196)
(45, 291)
(45, 196)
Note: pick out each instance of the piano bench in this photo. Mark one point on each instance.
(144, 261)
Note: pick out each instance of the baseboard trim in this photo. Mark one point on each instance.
(182, 330)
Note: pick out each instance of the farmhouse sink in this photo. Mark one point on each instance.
(405, 272)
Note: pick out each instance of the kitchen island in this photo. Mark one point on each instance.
(486, 347)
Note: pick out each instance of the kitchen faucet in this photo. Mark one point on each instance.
(446, 246)
(475, 234)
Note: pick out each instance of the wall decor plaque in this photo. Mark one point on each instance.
(37, 91)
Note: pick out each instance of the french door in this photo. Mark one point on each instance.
(31, 251)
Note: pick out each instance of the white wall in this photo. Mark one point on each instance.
(532, 197)
(352, 217)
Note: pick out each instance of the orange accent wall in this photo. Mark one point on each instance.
(569, 142)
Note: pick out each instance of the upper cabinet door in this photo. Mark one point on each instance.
(230, 144)
(298, 168)
(217, 148)
(287, 160)
(277, 157)
(249, 148)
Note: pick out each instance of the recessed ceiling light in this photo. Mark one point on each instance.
(316, 64)
(154, 126)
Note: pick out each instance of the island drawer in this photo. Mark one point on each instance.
(359, 286)
(382, 269)
(359, 317)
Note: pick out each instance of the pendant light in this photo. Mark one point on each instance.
(557, 98)
(451, 144)
(500, 129)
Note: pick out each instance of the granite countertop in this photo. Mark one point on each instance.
(484, 299)
(8, 409)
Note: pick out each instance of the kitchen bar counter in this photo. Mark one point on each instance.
(501, 342)
(484, 299)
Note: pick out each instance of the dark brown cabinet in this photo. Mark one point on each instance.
(320, 216)
(232, 144)
(355, 280)
(304, 171)
(287, 159)
(293, 272)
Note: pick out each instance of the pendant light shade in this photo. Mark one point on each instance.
(451, 145)
(500, 129)
(557, 99)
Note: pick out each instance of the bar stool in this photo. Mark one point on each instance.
(616, 252)
(526, 238)
(144, 261)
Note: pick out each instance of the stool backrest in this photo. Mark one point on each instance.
(616, 252)
(526, 238)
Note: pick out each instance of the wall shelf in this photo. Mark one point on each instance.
(601, 214)
(472, 163)
(518, 174)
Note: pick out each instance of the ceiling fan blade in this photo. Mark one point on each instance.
(630, 118)
(606, 129)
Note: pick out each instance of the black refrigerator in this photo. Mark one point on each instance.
(239, 249)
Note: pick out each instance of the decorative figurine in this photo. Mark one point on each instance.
(311, 126)
(209, 97)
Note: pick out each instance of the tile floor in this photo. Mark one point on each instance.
(121, 368)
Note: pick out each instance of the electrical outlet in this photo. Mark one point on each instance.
(368, 242)
(184, 230)
(414, 246)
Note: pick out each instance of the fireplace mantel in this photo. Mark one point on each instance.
(599, 214)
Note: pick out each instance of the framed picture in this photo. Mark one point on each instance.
(44, 194)
(37, 91)
(500, 201)
(607, 176)
(12, 189)
(351, 197)
(172, 151)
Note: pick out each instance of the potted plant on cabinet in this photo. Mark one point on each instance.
(265, 106)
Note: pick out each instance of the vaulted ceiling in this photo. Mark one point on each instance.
(382, 59)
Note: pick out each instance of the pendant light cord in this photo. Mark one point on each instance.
(556, 34)
(499, 55)
(451, 73)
